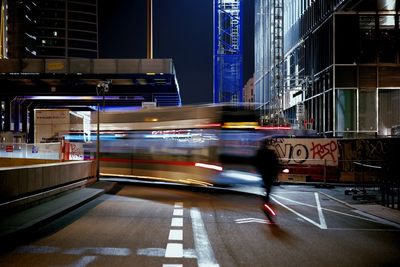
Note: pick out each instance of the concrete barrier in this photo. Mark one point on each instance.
(22, 182)
(11, 162)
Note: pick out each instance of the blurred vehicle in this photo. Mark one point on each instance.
(178, 144)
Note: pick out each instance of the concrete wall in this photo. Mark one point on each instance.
(21, 181)
(11, 162)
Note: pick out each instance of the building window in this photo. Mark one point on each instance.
(346, 112)
(367, 39)
(389, 110)
(367, 110)
(387, 39)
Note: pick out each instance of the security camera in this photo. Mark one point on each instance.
(104, 85)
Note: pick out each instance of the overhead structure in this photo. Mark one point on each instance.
(228, 51)
(76, 84)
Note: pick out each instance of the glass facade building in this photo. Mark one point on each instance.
(340, 62)
(50, 28)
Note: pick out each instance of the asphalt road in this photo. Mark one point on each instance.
(170, 227)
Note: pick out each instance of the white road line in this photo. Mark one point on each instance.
(205, 254)
(105, 251)
(175, 235)
(84, 261)
(322, 221)
(325, 209)
(160, 252)
(172, 265)
(177, 222)
(174, 250)
(178, 212)
(178, 204)
(249, 220)
(253, 221)
(295, 212)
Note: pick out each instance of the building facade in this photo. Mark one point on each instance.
(340, 65)
(228, 51)
(248, 91)
(49, 29)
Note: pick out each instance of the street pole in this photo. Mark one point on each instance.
(102, 87)
(98, 144)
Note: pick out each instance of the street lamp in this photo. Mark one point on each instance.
(101, 88)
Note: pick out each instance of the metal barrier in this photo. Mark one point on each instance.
(390, 189)
(32, 151)
(372, 180)
(367, 180)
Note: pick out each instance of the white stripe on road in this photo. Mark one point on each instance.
(177, 222)
(175, 235)
(83, 262)
(205, 254)
(322, 221)
(330, 210)
(172, 265)
(295, 212)
(249, 220)
(160, 252)
(178, 212)
(174, 250)
(178, 204)
(106, 251)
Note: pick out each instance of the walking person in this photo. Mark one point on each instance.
(267, 164)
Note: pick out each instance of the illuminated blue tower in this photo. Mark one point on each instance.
(228, 53)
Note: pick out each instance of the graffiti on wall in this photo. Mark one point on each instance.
(315, 151)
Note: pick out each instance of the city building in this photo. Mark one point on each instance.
(228, 51)
(49, 29)
(329, 65)
(248, 91)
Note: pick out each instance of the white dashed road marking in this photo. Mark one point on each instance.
(174, 250)
(178, 212)
(177, 222)
(175, 235)
(178, 205)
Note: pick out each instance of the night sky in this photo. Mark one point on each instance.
(183, 31)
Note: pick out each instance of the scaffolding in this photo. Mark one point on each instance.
(277, 79)
(3, 23)
(228, 53)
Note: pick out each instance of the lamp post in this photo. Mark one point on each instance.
(101, 88)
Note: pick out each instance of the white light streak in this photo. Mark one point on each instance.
(208, 166)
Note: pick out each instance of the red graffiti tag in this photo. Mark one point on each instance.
(324, 150)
